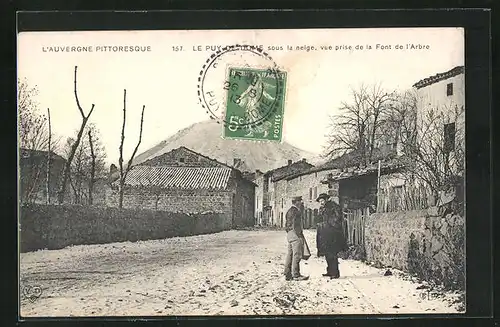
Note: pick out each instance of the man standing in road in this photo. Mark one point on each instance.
(295, 239)
(330, 238)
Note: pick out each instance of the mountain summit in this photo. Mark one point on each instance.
(205, 138)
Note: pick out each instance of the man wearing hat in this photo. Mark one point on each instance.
(330, 238)
(295, 238)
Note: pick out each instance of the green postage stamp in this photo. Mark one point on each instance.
(255, 104)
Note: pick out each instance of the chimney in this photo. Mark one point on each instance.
(236, 161)
(303, 159)
(289, 162)
(112, 169)
(113, 173)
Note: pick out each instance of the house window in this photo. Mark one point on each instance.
(282, 203)
(449, 137)
(315, 192)
(181, 159)
(449, 89)
(281, 216)
(310, 193)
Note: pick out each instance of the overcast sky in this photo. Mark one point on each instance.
(166, 81)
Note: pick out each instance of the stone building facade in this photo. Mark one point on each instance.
(308, 185)
(185, 181)
(273, 194)
(278, 187)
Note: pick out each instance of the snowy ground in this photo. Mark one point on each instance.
(228, 273)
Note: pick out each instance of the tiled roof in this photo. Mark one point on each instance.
(353, 158)
(25, 153)
(349, 159)
(285, 171)
(206, 157)
(385, 167)
(439, 77)
(214, 178)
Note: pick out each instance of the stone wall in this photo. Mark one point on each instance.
(182, 201)
(57, 226)
(420, 242)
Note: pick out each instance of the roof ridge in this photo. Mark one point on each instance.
(457, 70)
(206, 157)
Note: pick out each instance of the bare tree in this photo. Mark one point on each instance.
(125, 170)
(150, 187)
(436, 154)
(74, 146)
(88, 165)
(77, 171)
(92, 168)
(32, 137)
(48, 157)
(357, 128)
(97, 157)
(31, 123)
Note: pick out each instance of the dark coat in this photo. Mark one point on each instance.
(330, 233)
(329, 239)
(294, 221)
(331, 211)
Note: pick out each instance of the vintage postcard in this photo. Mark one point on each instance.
(241, 172)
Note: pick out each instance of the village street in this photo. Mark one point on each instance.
(228, 273)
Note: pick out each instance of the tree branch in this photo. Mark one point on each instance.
(120, 160)
(75, 145)
(138, 143)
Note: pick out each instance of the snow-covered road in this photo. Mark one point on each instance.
(228, 273)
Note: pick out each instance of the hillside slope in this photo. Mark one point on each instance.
(205, 138)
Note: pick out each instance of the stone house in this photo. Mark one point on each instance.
(312, 182)
(183, 180)
(444, 92)
(308, 185)
(396, 190)
(272, 192)
(33, 175)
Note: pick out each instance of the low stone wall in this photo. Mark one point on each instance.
(57, 226)
(179, 201)
(420, 242)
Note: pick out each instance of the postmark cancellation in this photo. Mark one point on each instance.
(242, 88)
(254, 104)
